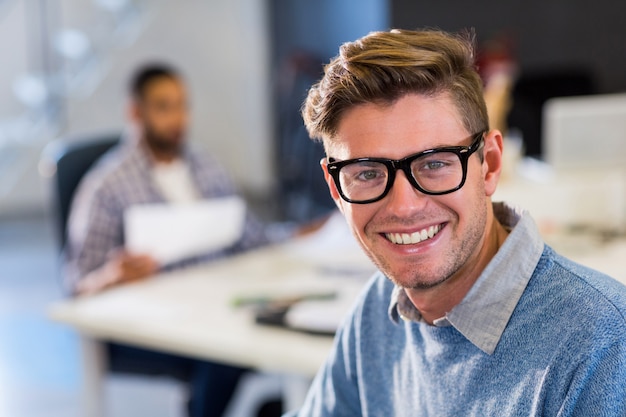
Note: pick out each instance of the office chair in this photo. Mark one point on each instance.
(66, 161)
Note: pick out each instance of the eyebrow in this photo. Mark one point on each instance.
(473, 138)
(331, 159)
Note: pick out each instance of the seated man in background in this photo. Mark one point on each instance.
(471, 314)
(154, 165)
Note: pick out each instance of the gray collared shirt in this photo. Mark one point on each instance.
(123, 178)
(485, 310)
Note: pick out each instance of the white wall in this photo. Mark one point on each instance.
(14, 50)
(221, 46)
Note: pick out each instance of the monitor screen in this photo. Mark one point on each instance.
(585, 132)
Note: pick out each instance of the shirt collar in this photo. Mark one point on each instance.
(485, 310)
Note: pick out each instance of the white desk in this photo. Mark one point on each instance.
(573, 209)
(190, 313)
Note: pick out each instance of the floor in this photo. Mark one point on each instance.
(40, 371)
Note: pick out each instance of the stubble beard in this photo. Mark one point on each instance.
(163, 145)
(456, 255)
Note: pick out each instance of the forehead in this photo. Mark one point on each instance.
(411, 124)
(163, 87)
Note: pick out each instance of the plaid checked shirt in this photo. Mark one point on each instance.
(122, 178)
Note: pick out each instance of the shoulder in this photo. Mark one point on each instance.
(200, 158)
(107, 180)
(114, 169)
(589, 282)
(377, 291)
(210, 175)
(371, 307)
(365, 323)
(579, 293)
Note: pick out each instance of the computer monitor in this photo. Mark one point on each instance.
(585, 132)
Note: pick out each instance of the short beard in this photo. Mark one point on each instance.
(422, 286)
(161, 145)
(456, 257)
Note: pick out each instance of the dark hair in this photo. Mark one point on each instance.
(147, 74)
(384, 66)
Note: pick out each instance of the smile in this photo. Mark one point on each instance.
(415, 237)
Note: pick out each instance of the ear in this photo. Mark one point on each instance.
(334, 193)
(133, 111)
(492, 161)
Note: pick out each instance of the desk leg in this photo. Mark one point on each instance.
(94, 362)
(295, 388)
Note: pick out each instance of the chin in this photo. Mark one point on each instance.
(412, 277)
(170, 147)
(417, 284)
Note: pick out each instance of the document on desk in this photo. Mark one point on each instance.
(173, 232)
(322, 316)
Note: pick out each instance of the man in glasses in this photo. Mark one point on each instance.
(471, 313)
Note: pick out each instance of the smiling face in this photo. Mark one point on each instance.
(419, 241)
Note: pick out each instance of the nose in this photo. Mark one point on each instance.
(180, 118)
(404, 199)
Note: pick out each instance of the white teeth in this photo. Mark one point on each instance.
(416, 237)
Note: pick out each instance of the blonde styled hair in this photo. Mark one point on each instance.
(382, 67)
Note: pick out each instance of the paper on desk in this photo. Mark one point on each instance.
(173, 232)
(323, 316)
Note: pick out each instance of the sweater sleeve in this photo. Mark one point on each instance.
(598, 384)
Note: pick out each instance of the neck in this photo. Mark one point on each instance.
(434, 303)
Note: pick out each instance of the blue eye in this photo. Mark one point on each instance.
(432, 165)
(363, 173)
(436, 163)
(369, 175)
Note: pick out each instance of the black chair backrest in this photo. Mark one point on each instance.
(70, 160)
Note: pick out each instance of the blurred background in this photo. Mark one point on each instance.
(248, 63)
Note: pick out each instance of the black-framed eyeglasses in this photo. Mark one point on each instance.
(434, 172)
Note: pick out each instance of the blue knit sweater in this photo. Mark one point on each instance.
(563, 353)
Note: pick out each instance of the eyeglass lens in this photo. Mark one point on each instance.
(435, 172)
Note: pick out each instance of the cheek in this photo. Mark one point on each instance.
(154, 121)
(358, 217)
(164, 119)
(464, 203)
(471, 205)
